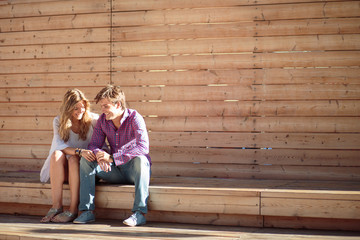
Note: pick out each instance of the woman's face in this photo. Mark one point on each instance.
(78, 111)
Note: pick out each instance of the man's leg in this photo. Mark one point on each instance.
(87, 184)
(137, 171)
(88, 172)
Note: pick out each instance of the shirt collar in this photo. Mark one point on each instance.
(125, 115)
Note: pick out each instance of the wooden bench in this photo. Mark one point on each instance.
(232, 202)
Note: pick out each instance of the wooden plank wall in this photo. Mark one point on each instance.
(217, 81)
(47, 47)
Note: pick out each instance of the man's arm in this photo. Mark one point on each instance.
(98, 138)
(138, 146)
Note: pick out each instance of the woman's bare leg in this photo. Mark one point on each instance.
(58, 174)
(74, 183)
(58, 171)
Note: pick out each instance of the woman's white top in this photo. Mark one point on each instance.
(59, 144)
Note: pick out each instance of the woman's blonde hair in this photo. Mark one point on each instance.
(71, 98)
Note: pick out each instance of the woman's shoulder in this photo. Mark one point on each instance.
(56, 120)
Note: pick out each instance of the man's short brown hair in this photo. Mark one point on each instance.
(113, 93)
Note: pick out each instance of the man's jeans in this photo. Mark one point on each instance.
(136, 171)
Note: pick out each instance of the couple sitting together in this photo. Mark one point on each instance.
(79, 155)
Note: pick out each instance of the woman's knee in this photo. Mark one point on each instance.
(73, 160)
(58, 157)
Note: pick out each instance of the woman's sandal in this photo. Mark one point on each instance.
(64, 217)
(50, 214)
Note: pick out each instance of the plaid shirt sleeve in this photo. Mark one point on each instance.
(98, 137)
(137, 146)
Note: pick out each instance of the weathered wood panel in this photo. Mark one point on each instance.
(53, 8)
(71, 21)
(210, 78)
(44, 80)
(55, 51)
(235, 61)
(125, 5)
(195, 93)
(55, 65)
(246, 29)
(200, 139)
(218, 124)
(239, 13)
(345, 206)
(238, 77)
(237, 45)
(236, 171)
(201, 108)
(85, 35)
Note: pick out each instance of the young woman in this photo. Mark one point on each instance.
(72, 132)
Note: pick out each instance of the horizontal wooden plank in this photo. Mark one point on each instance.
(213, 201)
(42, 80)
(54, 8)
(238, 13)
(201, 139)
(244, 124)
(231, 45)
(129, 5)
(273, 140)
(152, 216)
(200, 108)
(71, 21)
(23, 153)
(236, 61)
(206, 203)
(235, 171)
(101, 64)
(225, 124)
(310, 208)
(22, 164)
(285, 157)
(55, 51)
(6, 2)
(330, 194)
(85, 35)
(246, 29)
(311, 223)
(255, 92)
(184, 78)
(238, 77)
(46, 94)
(22, 157)
(188, 93)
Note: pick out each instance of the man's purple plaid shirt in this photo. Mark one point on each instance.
(127, 142)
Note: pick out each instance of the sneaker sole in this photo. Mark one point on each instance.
(132, 225)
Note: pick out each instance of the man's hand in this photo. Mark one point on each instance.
(103, 156)
(104, 160)
(104, 165)
(88, 155)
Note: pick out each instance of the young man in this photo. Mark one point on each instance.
(129, 161)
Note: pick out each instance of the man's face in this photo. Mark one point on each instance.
(110, 109)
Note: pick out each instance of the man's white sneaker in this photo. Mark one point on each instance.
(136, 219)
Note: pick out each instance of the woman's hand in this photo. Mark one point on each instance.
(88, 155)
